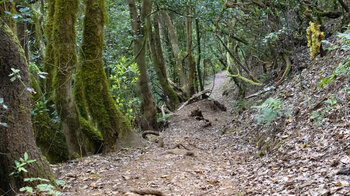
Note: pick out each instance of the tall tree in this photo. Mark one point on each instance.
(65, 61)
(17, 137)
(148, 109)
(191, 64)
(101, 106)
(175, 48)
(49, 62)
(172, 98)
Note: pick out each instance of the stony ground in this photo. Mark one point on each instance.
(228, 153)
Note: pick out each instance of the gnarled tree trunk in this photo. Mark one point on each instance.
(101, 106)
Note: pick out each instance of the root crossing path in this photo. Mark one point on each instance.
(197, 154)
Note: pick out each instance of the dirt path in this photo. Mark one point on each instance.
(193, 156)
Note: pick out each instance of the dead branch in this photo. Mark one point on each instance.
(266, 89)
(148, 192)
(196, 97)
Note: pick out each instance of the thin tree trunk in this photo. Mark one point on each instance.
(17, 137)
(101, 106)
(139, 28)
(159, 64)
(190, 88)
(175, 48)
(49, 62)
(199, 73)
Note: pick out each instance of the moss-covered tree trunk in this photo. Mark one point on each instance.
(101, 106)
(65, 63)
(17, 137)
(176, 49)
(49, 62)
(8, 7)
(159, 64)
(191, 64)
(148, 109)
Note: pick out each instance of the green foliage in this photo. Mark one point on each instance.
(16, 74)
(163, 119)
(123, 82)
(343, 69)
(270, 110)
(318, 116)
(23, 14)
(38, 189)
(19, 165)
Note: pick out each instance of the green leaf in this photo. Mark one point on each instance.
(25, 156)
(27, 189)
(60, 183)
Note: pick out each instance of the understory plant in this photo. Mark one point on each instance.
(43, 186)
(270, 110)
(123, 79)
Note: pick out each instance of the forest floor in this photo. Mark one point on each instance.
(228, 153)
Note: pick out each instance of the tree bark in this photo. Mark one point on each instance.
(191, 64)
(139, 28)
(175, 48)
(65, 63)
(49, 62)
(17, 137)
(159, 65)
(101, 106)
(199, 73)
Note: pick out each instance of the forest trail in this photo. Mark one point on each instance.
(220, 153)
(192, 156)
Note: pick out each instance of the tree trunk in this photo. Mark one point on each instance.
(49, 62)
(199, 73)
(65, 63)
(175, 47)
(139, 27)
(190, 87)
(159, 65)
(101, 106)
(17, 137)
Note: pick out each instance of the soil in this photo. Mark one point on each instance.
(216, 152)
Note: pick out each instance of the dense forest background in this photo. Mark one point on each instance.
(84, 77)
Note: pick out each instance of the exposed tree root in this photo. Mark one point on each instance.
(149, 132)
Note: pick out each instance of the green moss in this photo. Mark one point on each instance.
(49, 55)
(48, 135)
(11, 22)
(101, 106)
(93, 138)
(49, 138)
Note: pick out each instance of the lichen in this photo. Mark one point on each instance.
(314, 39)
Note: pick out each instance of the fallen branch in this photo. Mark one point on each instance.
(266, 89)
(148, 192)
(194, 98)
